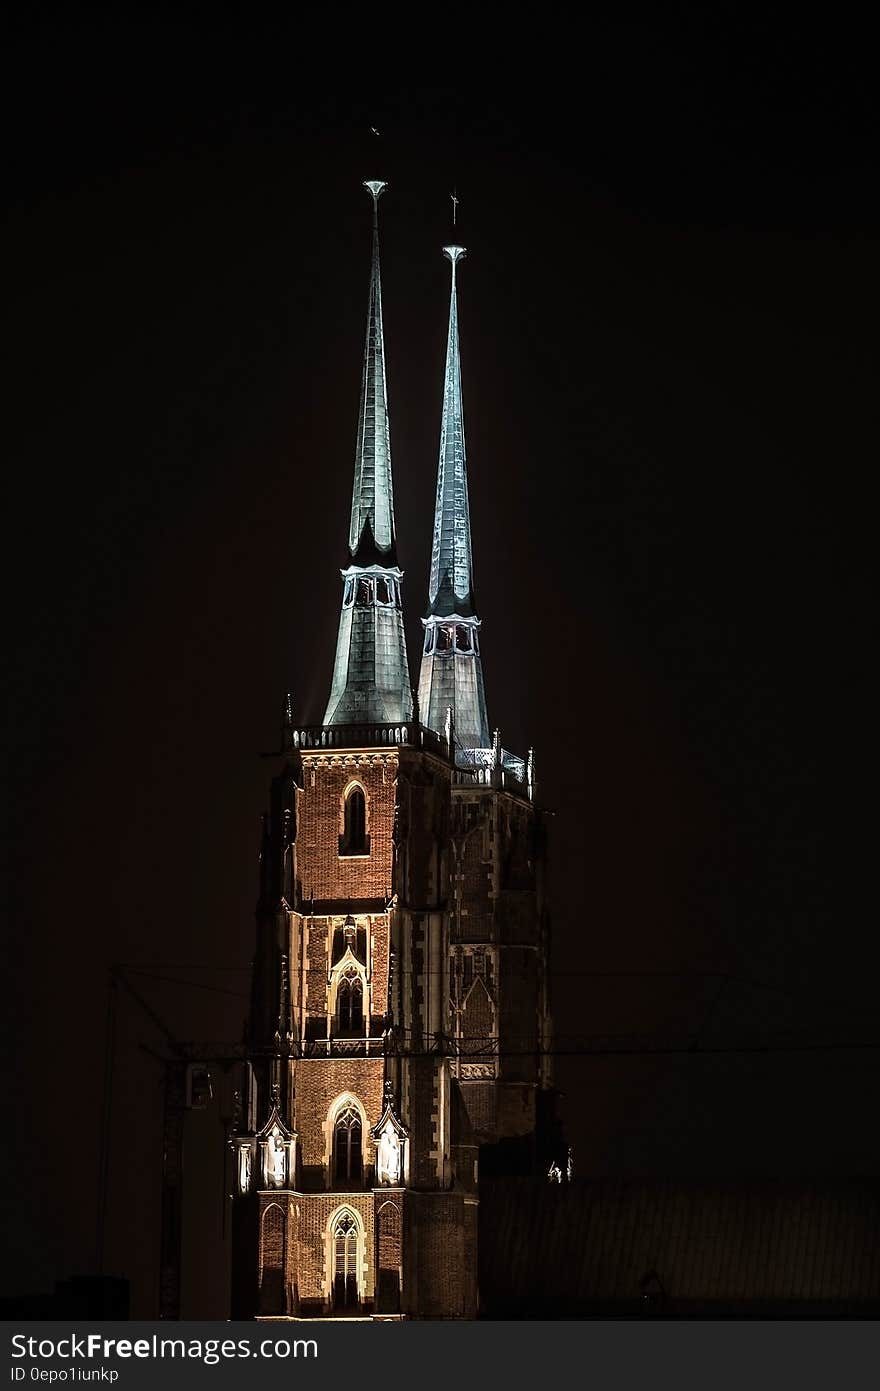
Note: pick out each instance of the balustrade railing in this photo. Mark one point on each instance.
(493, 767)
(406, 734)
(341, 1047)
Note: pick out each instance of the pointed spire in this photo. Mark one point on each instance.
(452, 672)
(370, 672)
(371, 534)
(450, 588)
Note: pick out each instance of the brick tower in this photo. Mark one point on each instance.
(399, 1016)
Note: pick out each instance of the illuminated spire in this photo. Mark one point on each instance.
(450, 584)
(371, 673)
(371, 534)
(452, 673)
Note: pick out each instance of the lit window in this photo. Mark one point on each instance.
(345, 1236)
(350, 1005)
(347, 1152)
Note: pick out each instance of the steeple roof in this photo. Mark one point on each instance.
(371, 534)
(370, 672)
(450, 585)
(451, 675)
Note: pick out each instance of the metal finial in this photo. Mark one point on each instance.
(376, 187)
(454, 198)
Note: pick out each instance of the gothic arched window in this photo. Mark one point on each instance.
(350, 1004)
(347, 1147)
(354, 839)
(345, 1242)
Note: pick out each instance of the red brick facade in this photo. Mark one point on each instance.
(435, 931)
(317, 1083)
(323, 874)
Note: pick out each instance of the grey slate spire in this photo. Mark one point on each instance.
(452, 673)
(371, 674)
(450, 583)
(372, 501)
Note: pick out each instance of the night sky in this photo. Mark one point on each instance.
(669, 338)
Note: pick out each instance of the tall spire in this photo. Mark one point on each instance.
(371, 534)
(450, 583)
(371, 673)
(452, 674)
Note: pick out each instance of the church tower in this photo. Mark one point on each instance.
(399, 939)
(498, 928)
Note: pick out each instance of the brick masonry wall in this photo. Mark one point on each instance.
(380, 931)
(315, 1211)
(481, 1100)
(318, 1081)
(516, 1109)
(433, 1233)
(422, 1119)
(272, 1250)
(321, 870)
(442, 1237)
(316, 963)
(318, 933)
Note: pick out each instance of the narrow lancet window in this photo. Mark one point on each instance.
(350, 1006)
(347, 1148)
(354, 839)
(345, 1294)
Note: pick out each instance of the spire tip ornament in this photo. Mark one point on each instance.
(376, 187)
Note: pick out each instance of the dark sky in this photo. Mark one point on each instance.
(668, 319)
